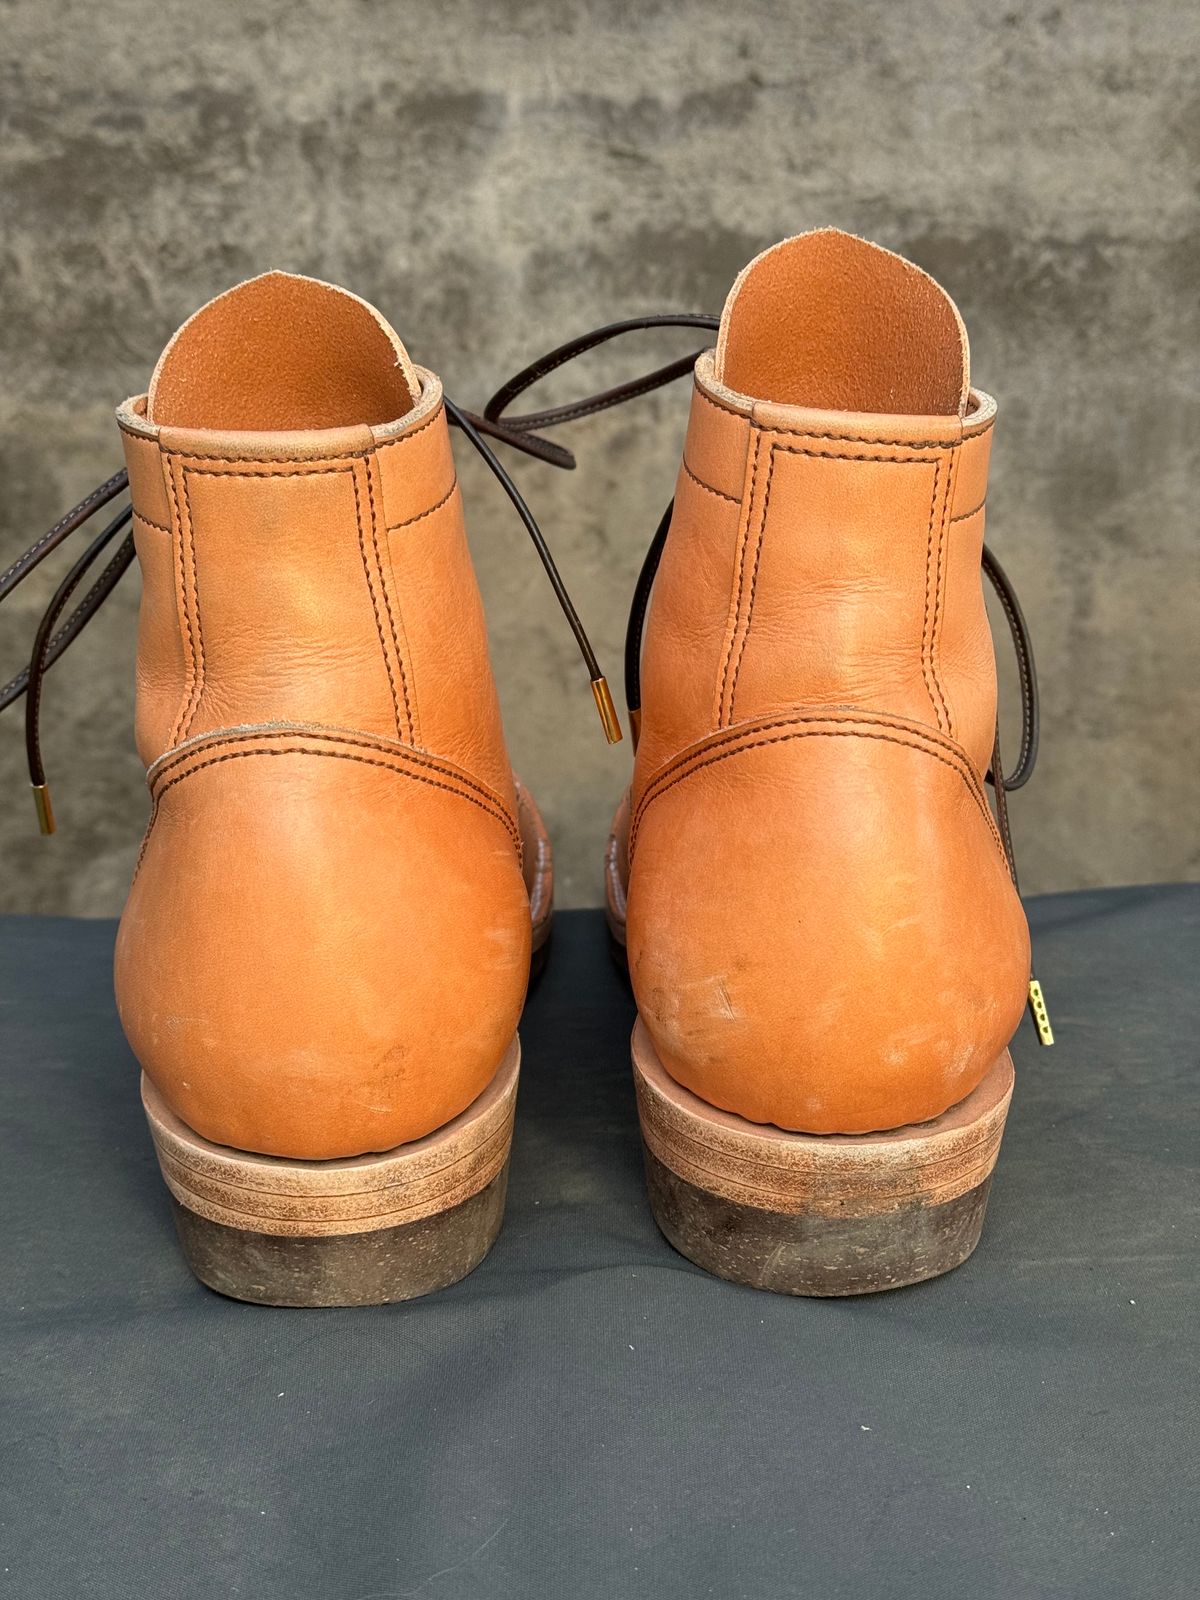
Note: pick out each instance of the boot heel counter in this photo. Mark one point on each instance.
(859, 958)
(326, 946)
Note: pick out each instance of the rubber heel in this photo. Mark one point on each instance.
(817, 1214)
(363, 1231)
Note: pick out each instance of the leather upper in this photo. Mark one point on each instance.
(822, 929)
(326, 946)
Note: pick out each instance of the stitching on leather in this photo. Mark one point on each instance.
(394, 527)
(725, 410)
(926, 630)
(177, 541)
(915, 743)
(758, 550)
(417, 758)
(269, 471)
(818, 455)
(389, 444)
(733, 499)
(939, 598)
(157, 526)
(497, 813)
(965, 516)
(854, 438)
(387, 600)
(743, 542)
(198, 690)
(362, 547)
(855, 719)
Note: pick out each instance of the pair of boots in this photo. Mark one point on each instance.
(343, 888)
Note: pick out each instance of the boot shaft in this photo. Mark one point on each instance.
(821, 558)
(304, 569)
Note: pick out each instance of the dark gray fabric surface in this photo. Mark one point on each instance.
(588, 1414)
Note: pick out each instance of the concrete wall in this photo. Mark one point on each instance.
(498, 176)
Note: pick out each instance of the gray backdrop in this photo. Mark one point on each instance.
(497, 177)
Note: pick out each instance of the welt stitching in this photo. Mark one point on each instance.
(762, 537)
(395, 527)
(198, 688)
(826, 733)
(737, 616)
(340, 755)
(387, 660)
(415, 757)
(861, 719)
(383, 584)
(734, 500)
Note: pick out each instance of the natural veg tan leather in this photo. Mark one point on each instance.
(326, 945)
(822, 929)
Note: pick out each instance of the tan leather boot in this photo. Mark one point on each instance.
(326, 947)
(824, 935)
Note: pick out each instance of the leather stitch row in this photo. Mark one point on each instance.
(818, 455)
(198, 692)
(743, 541)
(854, 438)
(388, 444)
(362, 547)
(725, 410)
(269, 468)
(150, 523)
(874, 719)
(926, 625)
(758, 550)
(181, 580)
(496, 812)
(417, 758)
(733, 499)
(394, 527)
(939, 599)
(387, 600)
(916, 743)
(965, 516)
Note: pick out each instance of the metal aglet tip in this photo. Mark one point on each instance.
(602, 695)
(635, 725)
(1041, 1017)
(45, 811)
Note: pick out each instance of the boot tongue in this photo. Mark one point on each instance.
(282, 353)
(832, 323)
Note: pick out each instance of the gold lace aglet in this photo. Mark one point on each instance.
(608, 711)
(635, 725)
(1041, 1017)
(45, 811)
